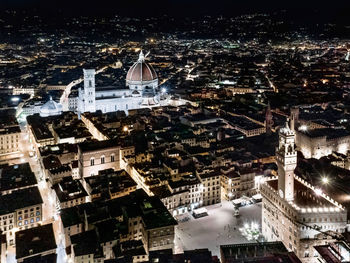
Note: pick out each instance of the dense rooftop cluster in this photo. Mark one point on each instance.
(249, 106)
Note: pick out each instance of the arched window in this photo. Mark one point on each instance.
(90, 83)
(102, 159)
(92, 161)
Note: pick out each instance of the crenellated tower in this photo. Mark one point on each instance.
(286, 156)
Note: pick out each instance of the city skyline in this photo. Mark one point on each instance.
(174, 131)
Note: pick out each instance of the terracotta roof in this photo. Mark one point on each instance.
(141, 71)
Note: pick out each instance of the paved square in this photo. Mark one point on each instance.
(218, 228)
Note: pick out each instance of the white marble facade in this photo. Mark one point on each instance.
(141, 91)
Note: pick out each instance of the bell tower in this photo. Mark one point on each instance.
(286, 156)
(89, 90)
(294, 118)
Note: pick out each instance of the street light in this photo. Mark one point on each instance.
(318, 191)
(325, 180)
(303, 128)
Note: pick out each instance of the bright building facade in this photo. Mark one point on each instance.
(141, 91)
(295, 212)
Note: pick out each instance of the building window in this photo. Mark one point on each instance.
(102, 159)
(20, 218)
(37, 219)
(112, 158)
(37, 213)
(92, 161)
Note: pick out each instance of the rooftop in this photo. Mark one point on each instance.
(9, 130)
(69, 189)
(110, 181)
(70, 217)
(137, 203)
(16, 176)
(58, 149)
(20, 199)
(34, 241)
(41, 132)
(329, 133)
(307, 198)
(97, 145)
(86, 243)
(265, 252)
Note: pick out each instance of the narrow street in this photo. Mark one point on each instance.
(49, 206)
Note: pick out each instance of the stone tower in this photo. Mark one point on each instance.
(286, 156)
(89, 90)
(294, 118)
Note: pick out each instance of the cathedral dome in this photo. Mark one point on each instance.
(50, 108)
(141, 71)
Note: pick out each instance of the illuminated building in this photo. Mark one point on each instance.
(9, 137)
(50, 108)
(141, 90)
(317, 143)
(22, 209)
(98, 156)
(295, 212)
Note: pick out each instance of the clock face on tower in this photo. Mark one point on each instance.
(281, 193)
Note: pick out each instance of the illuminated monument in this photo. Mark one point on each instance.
(141, 90)
(295, 212)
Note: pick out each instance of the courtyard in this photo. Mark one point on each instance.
(220, 227)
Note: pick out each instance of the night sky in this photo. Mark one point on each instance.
(302, 9)
(177, 7)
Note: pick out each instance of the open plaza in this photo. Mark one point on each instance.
(220, 227)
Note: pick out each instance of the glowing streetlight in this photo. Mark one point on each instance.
(125, 129)
(325, 180)
(303, 128)
(318, 191)
(254, 226)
